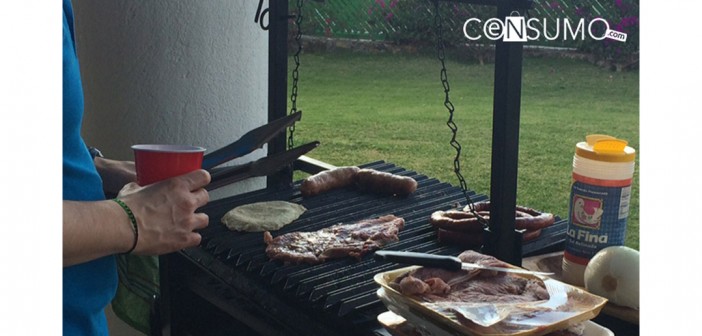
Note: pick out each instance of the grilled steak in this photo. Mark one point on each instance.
(336, 241)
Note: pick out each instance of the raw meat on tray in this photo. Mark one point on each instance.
(438, 285)
(485, 302)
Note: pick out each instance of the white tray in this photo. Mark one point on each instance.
(588, 306)
(399, 314)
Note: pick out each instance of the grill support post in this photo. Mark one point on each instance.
(501, 240)
(278, 85)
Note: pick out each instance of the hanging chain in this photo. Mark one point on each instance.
(441, 55)
(295, 72)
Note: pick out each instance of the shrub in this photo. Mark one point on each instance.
(622, 16)
(412, 22)
(415, 23)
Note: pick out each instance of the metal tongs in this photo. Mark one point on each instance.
(246, 144)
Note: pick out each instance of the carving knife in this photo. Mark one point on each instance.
(440, 261)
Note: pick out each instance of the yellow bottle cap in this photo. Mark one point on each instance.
(592, 139)
(606, 148)
(610, 146)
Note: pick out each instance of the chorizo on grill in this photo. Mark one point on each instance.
(384, 183)
(329, 179)
(525, 218)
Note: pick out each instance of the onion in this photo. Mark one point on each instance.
(613, 273)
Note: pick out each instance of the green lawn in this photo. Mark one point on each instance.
(364, 108)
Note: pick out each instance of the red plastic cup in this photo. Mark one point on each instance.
(159, 162)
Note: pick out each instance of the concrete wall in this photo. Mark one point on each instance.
(162, 71)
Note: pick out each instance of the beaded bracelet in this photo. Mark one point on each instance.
(133, 221)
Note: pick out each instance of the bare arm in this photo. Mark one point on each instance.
(94, 229)
(165, 214)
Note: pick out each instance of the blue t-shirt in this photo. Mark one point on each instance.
(88, 287)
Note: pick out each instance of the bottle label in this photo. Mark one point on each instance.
(597, 216)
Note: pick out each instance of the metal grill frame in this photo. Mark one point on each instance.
(503, 242)
(231, 271)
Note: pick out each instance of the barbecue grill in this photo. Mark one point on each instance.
(231, 271)
(228, 286)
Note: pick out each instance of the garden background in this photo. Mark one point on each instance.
(369, 86)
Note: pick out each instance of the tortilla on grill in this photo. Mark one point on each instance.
(262, 216)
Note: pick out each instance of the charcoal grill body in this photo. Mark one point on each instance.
(231, 275)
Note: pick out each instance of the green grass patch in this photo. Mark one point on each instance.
(364, 108)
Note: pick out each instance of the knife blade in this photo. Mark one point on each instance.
(440, 261)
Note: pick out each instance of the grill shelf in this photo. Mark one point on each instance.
(337, 297)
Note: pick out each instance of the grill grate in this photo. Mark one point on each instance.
(341, 291)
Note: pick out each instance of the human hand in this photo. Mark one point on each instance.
(165, 212)
(115, 174)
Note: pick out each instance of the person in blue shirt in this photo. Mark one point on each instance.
(151, 220)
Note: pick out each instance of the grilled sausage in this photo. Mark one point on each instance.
(525, 218)
(385, 183)
(456, 220)
(464, 228)
(327, 180)
(534, 220)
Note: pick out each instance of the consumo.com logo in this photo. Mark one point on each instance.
(517, 28)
